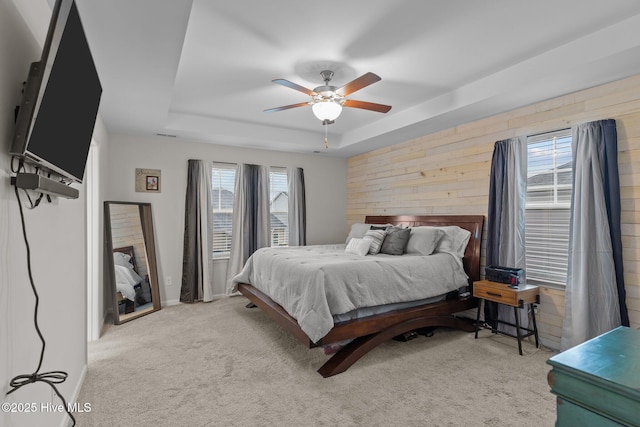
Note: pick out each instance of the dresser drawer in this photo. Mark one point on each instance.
(572, 415)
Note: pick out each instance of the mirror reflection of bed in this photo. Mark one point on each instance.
(131, 270)
(132, 283)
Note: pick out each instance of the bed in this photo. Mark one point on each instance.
(128, 281)
(365, 333)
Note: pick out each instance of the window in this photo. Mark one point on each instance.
(279, 206)
(548, 207)
(223, 179)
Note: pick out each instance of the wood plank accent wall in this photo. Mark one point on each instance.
(448, 173)
(126, 230)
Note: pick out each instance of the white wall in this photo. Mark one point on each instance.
(99, 298)
(56, 234)
(325, 180)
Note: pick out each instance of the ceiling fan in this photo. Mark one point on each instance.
(327, 101)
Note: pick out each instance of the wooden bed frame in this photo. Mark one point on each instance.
(369, 332)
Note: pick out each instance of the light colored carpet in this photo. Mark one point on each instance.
(220, 364)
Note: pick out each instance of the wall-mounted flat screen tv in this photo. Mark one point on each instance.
(55, 122)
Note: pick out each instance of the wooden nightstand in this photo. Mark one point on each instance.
(515, 297)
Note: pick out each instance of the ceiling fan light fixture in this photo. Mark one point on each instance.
(326, 110)
(327, 100)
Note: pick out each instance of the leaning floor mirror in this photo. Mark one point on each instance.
(130, 260)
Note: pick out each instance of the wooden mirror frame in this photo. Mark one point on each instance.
(146, 222)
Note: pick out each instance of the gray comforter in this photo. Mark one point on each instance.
(312, 283)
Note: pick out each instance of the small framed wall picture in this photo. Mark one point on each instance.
(148, 180)
(152, 183)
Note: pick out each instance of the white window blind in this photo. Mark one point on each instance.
(548, 207)
(223, 177)
(279, 206)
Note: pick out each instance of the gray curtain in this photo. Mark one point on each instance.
(297, 208)
(505, 224)
(198, 235)
(595, 295)
(251, 222)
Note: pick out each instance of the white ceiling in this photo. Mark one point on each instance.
(201, 70)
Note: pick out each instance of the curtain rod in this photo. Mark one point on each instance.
(236, 163)
(223, 163)
(548, 131)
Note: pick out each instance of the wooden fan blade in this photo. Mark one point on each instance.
(380, 108)
(286, 107)
(294, 86)
(357, 84)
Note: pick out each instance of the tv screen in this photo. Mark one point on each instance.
(60, 104)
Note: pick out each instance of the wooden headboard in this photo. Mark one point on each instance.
(473, 223)
(129, 251)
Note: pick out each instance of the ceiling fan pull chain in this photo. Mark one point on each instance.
(326, 141)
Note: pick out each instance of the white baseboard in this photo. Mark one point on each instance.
(176, 302)
(66, 421)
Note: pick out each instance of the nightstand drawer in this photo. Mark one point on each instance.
(503, 296)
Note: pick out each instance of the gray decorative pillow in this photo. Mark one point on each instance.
(379, 227)
(376, 237)
(395, 241)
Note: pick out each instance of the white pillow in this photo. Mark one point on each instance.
(376, 237)
(122, 259)
(358, 231)
(358, 246)
(424, 240)
(454, 241)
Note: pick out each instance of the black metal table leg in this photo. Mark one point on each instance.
(518, 334)
(535, 326)
(478, 318)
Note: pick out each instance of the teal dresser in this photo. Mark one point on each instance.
(597, 383)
